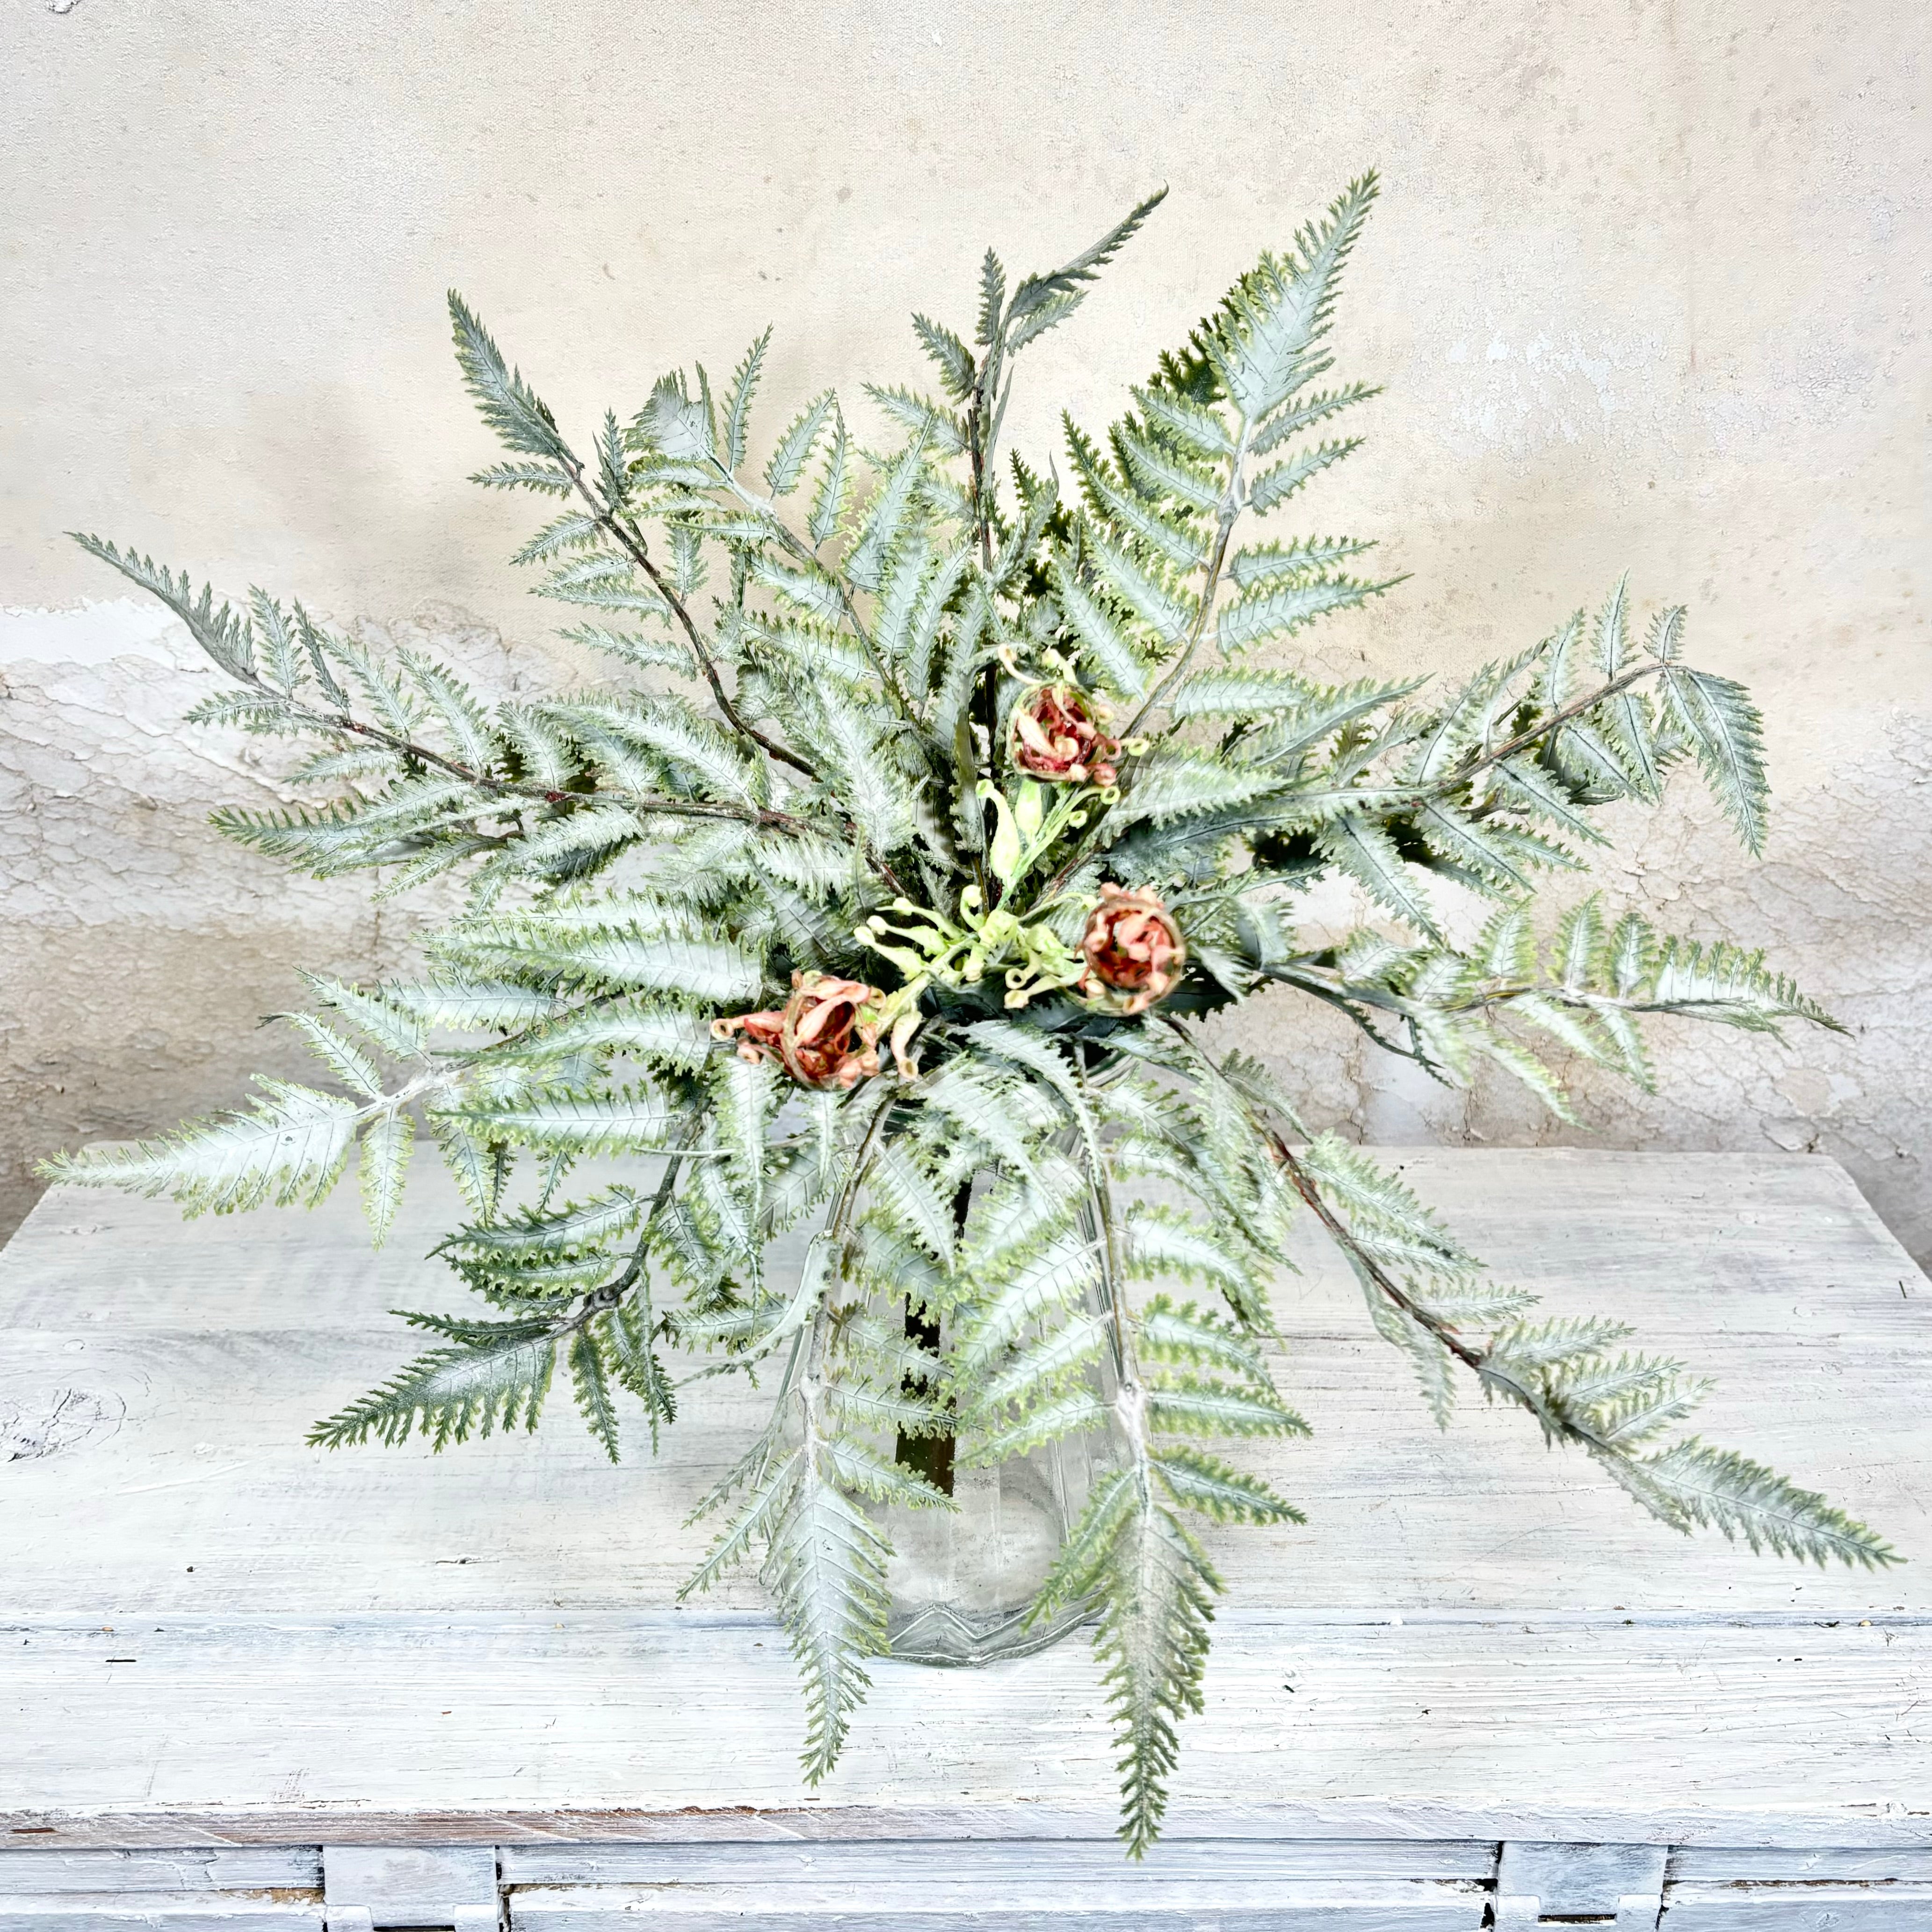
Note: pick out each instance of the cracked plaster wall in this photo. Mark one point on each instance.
(1648, 287)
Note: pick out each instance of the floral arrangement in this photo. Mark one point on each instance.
(881, 893)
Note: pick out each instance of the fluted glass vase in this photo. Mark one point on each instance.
(963, 1581)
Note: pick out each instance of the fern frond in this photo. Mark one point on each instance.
(627, 1120)
(1727, 733)
(1276, 312)
(289, 1149)
(1214, 1489)
(826, 1569)
(503, 399)
(495, 1380)
(219, 631)
(1694, 1482)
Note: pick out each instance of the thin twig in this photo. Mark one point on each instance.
(608, 519)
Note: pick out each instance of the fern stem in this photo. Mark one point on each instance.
(610, 520)
(1225, 520)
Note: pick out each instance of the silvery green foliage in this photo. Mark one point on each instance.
(802, 747)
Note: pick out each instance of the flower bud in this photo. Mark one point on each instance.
(825, 1035)
(1134, 951)
(1055, 736)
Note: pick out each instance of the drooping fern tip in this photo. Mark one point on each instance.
(930, 804)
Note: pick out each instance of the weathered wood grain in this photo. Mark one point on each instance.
(1119, 1904)
(206, 1350)
(1457, 1726)
(1064, 1861)
(162, 1911)
(205, 1868)
(1825, 1908)
(215, 1635)
(1728, 1864)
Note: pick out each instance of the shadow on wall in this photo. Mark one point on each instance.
(139, 949)
(1836, 905)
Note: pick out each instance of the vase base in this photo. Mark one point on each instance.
(945, 1636)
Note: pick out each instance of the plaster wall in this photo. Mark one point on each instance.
(1648, 288)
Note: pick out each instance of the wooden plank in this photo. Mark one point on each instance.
(1725, 1864)
(1454, 1726)
(1136, 1904)
(194, 1868)
(1569, 1880)
(185, 1363)
(1037, 1860)
(221, 1636)
(1798, 1908)
(164, 1912)
(415, 1885)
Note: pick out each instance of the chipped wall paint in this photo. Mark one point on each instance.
(1646, 290)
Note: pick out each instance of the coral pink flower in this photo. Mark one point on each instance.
(825, 1035)
(1134, 951)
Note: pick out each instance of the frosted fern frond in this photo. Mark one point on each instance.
(1157, 1590)
(1692, 1482)
(503, 399)
(496, 1379)
(289, 1149)
(826, 1569)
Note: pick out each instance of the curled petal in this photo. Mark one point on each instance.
(827, 1034)
(1056, 737)
(1134, 953)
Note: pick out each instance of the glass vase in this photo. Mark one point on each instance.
(962, 1580)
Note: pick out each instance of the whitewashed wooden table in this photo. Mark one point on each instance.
(249, 1684)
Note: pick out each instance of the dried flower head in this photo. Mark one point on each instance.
(1134, 950)
(1056, 737)
(825, 1035)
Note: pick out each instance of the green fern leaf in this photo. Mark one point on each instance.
(1041, 300)
(1277, 485)
(591, 1385)
(1694, 1482)
(505, 400)
(937, 430)
(545, 478)
(496, 1381)
(828, 506)
(1048, 1282)
(1150, 599)
(1727, 733)
(1170, 784)
(1278, 311)
(738, 402)
(826, 1569)
(954, 360)
(1304, 415)
(1211, 1488)
(1286, 609)
(1194, 1407)
(216, 628)
(912, 1201)
(290, 1149)
(1108, 647)
(628, 1120)
(1327, 712)
(1177, 538)
(1362, 849)
(886, 517)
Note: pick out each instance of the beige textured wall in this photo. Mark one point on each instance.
(1648, 287)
